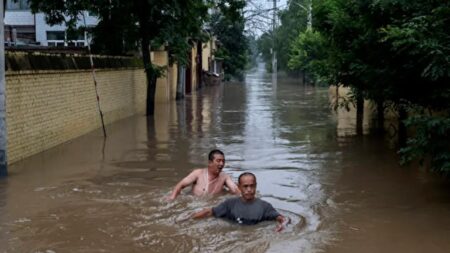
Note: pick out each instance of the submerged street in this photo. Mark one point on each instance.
(343, 193)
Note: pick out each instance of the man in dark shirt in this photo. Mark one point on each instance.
(246, 209)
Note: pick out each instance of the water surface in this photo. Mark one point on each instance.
(343, 193)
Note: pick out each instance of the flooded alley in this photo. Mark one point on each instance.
(343, 193)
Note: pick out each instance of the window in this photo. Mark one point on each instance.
(55, 44)
(61, 38)
(17, 5)
(75, 36)
(55, 35)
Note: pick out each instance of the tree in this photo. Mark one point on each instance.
(293, 21)
(265, 48)
(419, 42)
(228, 24)
(148, 22)
(393, 52)
(309, 53)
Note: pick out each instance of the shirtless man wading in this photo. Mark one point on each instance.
(208, 181)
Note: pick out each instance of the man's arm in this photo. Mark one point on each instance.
(191, 178)
(207, 212)
(282, 222)
(232, 186)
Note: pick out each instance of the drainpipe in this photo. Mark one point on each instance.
(3, 159)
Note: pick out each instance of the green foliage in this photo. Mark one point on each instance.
(228, 25)
(431, 141)
(122, 40)
(264, 47)
(158, 71)
(308, 54)
(419, 45)
(293, 21)
(161, 22)
(253, 52)
(191, 16)
(391, 51)
(127, 25)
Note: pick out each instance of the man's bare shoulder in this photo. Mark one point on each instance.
(225, 176)
(197, 172)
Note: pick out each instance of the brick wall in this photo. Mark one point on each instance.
(47, 108)
(50, 98)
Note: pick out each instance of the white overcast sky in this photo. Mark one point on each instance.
(257, 25)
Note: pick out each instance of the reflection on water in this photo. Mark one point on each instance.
(343, 194)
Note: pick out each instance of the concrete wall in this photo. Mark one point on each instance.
(160, 58)
(173, 79)
(166, 86)
(206, 55)
(47, 108)
(19, 17)
(195, 84)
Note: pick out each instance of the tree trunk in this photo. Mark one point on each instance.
(180, 81)
(151, 75)
(199, 61)
(359, 113)
(380, 116)
(143, 8)
(304, 78)
(402, 135)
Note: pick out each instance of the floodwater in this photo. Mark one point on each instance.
(343, 193)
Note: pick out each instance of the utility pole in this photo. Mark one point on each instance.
(3, 160)
(310, 15)
(308, 11)
(274, 26)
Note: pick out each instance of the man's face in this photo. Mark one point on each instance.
(247, 185)
(216, 165)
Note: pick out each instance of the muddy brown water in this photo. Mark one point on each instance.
(343, 193)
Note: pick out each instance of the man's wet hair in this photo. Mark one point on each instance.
(246, 174)
(214, 152)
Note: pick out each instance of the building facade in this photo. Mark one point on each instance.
(22, 27)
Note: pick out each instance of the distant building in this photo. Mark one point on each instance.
(25, 28)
